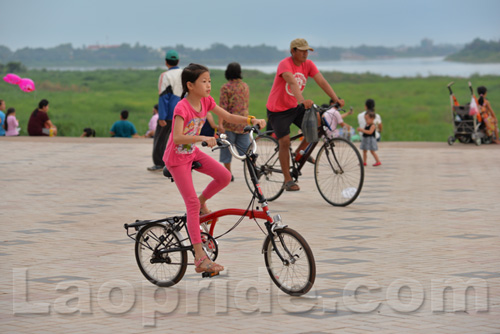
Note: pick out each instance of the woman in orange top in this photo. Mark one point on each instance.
(489, 117)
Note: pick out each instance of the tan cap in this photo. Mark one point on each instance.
(300, 44)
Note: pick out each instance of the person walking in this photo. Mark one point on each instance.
(369, 143)
(286, 103)
(169, 91)
(234, 97)
(370, 106)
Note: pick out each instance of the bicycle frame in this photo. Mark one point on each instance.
(271, 223)
(177, 223)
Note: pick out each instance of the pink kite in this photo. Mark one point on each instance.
(27, 85)
(12, 79)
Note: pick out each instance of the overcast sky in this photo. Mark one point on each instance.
(200, 23)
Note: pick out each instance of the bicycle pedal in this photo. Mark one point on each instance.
(209, 275)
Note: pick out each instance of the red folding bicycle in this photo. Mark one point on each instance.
(161, 250)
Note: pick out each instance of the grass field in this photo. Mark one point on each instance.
(412, 109)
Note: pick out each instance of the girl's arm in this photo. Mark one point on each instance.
(237, 119)
(369, 131)
(180, 138)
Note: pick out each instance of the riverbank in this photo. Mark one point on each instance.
(412, 109)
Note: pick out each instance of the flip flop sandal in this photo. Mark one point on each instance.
(291, 186)
(209, 268)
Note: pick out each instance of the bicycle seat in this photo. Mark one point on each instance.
(166, 172)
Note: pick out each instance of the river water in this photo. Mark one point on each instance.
(396, 68)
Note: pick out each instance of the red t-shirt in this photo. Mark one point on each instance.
(281, 97)
(37, 122)
(176, 155)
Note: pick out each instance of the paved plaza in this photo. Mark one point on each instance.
(417, 252)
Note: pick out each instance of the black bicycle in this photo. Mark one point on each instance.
(161, 250)
(338, 170)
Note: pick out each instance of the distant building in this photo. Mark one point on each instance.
(98, 47)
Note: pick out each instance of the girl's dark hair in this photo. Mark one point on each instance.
(370, 114)
(481, 91)
(9, 111)
(43, 103)
(89, 132)
(233, 71)
(370, 105)
(191, 73)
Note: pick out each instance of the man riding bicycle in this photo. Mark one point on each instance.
(286, 104)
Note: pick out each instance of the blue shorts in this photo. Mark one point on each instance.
(240, 140)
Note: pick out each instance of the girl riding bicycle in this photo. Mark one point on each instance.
(189, 116)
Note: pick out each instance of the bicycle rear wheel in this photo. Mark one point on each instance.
(156, 257)
(295, 276)
(339, 172)
(268, 168)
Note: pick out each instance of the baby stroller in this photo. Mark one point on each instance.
(467, 125)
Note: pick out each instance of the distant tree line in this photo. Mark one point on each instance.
(65, 55)
(478, 51)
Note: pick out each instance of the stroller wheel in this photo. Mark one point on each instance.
(451, 140)
(464, 139)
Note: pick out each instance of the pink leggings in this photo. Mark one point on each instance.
(184, 182)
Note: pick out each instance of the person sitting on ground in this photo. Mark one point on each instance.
(123, 127)
(39, 123)
(489, 118)
(2, 118)
(333, 117)
(88, 132)
(152, 123)
(11, 123)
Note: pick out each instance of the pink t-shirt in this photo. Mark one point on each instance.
(281, 97)
(176, 155)
(333, 117)
(13, 124)
(152, 124)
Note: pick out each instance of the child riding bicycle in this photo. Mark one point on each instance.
(189, 116)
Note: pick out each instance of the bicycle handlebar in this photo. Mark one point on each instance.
(223, 142)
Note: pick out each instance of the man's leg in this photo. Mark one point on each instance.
(284, 155)
(159, 145)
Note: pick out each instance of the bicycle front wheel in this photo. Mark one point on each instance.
(267, 167)
(339, 172)
(296, 274)
(157, 257)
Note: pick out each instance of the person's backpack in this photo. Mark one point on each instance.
(167, 102)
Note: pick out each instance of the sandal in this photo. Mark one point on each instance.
(212, 267)
(311, 160)
(291, 186)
